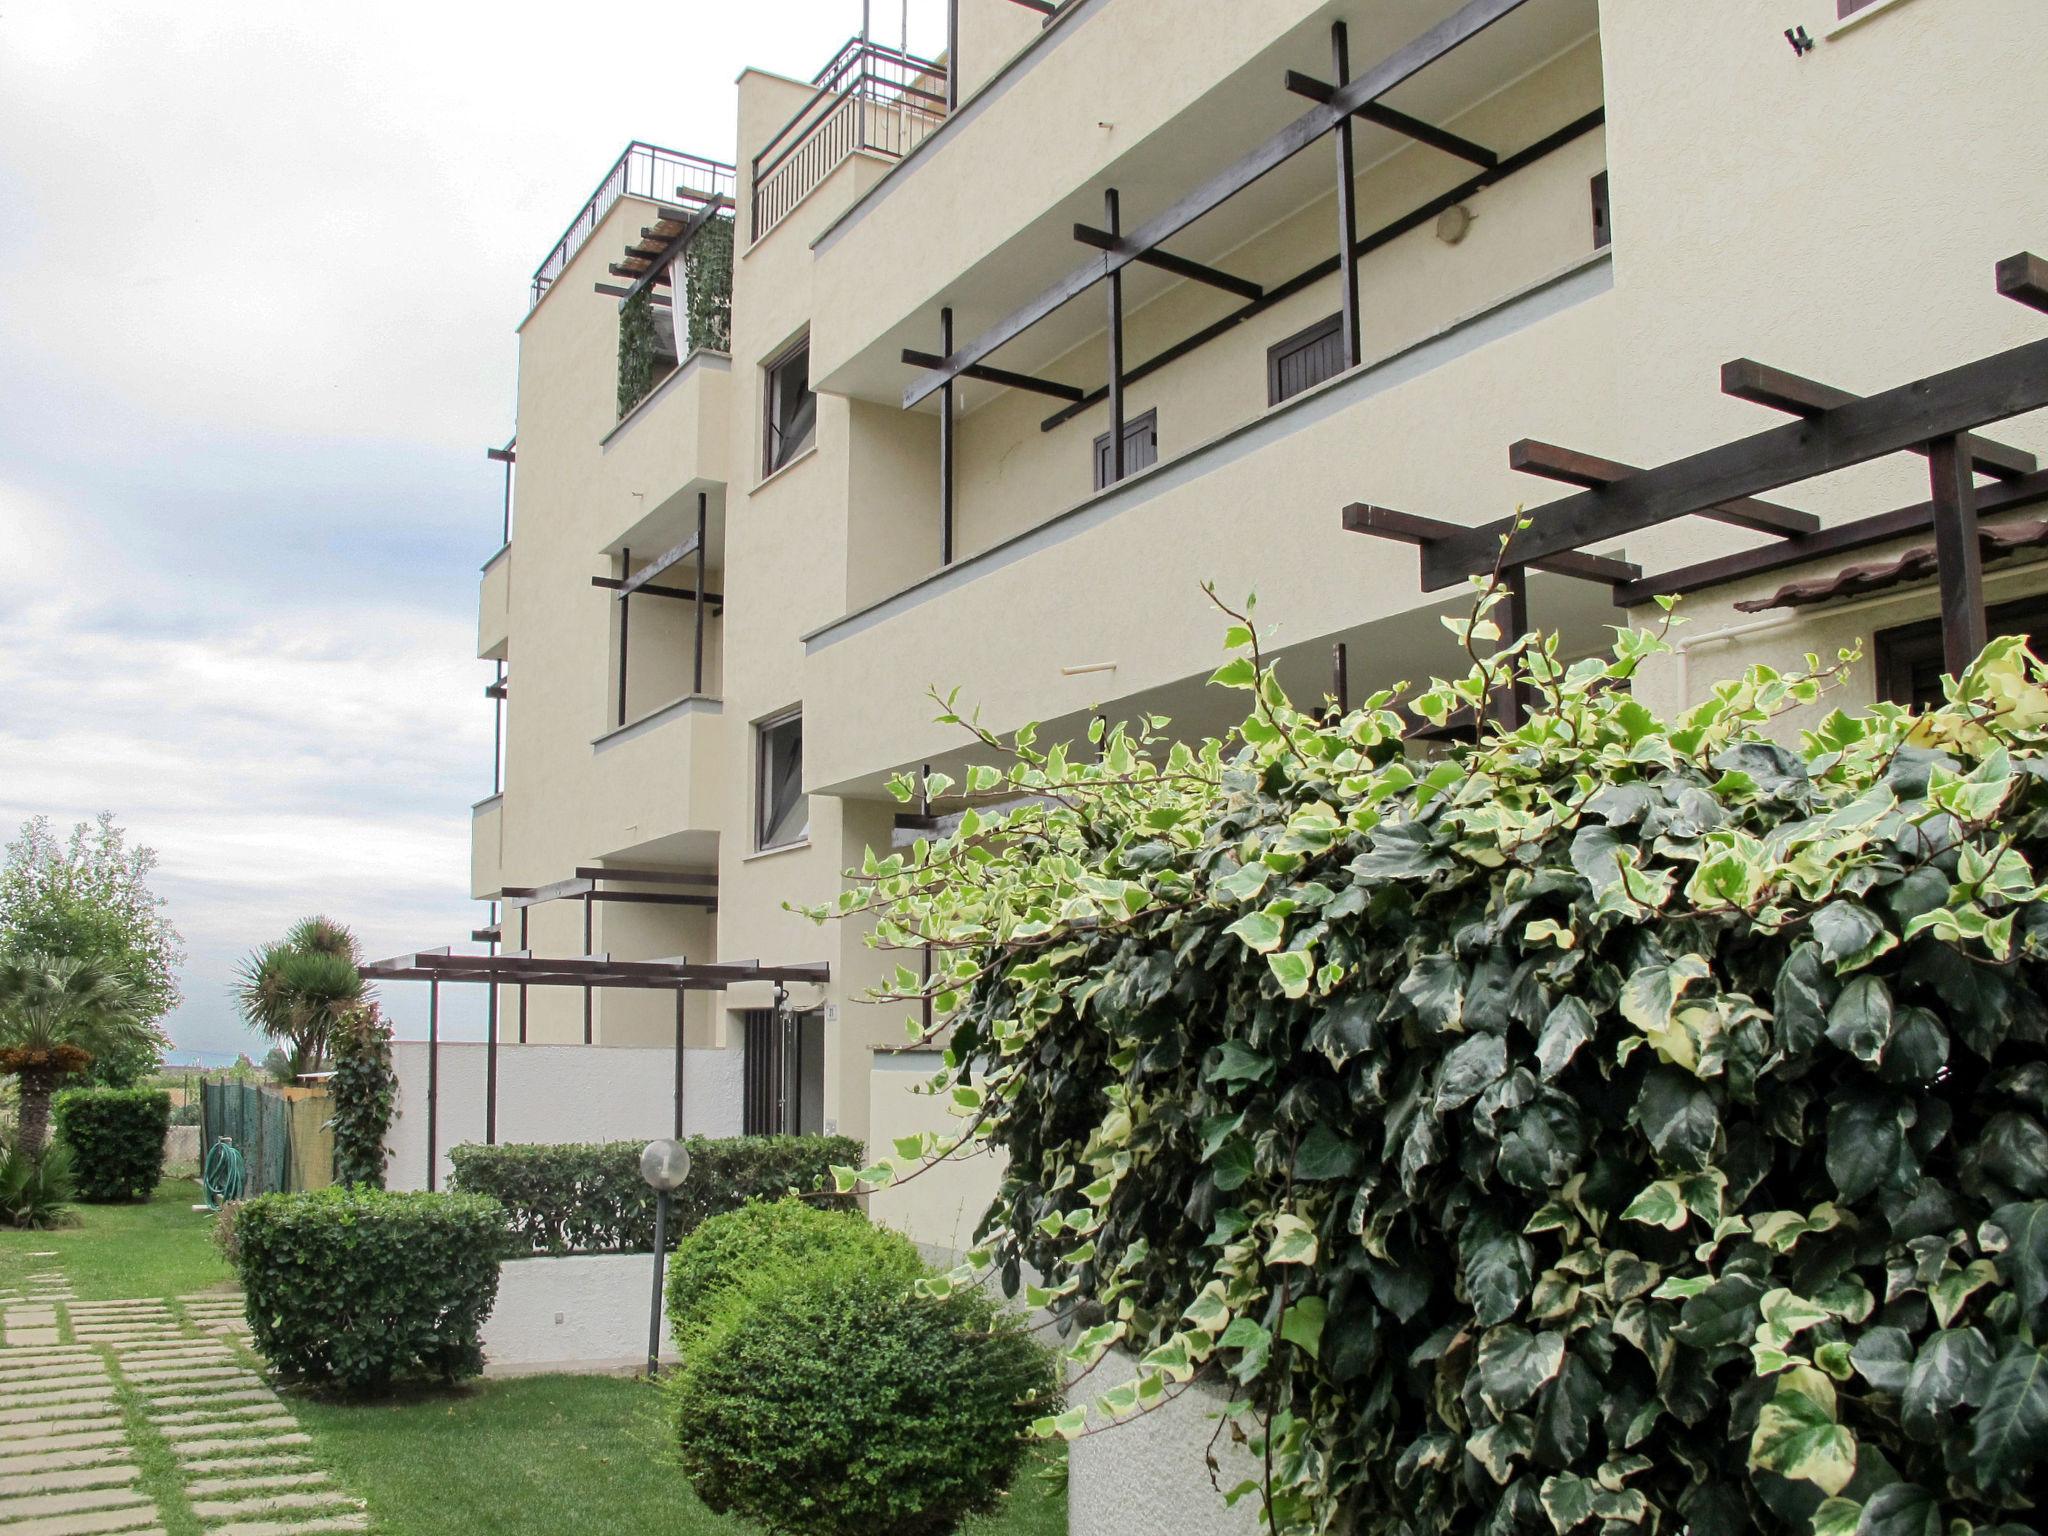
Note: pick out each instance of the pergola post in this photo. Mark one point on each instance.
(589, 947)
(952, 56)
(680, 996)
(1340, 678)
(1958, 559)
(703, 538)
(946, 428)
(491, 1051)
(498, 731)
(625, 623)
(433, 1076)
(1113, 221)
(1347, 194)
(525, 948)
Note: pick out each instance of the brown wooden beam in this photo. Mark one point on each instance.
(1838, 539)
(614, 291)
(2024, 277)
(1003, 376)
(1760, 384)
(2008, 383)
(644, 876)
(656, 566)
(1387, 523)
(1389, 117)
(1958, 555)
(703, 216)
(1166, 261)
(613, 584)
(1531, 457)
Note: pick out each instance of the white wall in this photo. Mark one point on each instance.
(555, 1093)
(583, 1313)
(1149, 1473)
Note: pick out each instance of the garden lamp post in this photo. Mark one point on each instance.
(664, 1165)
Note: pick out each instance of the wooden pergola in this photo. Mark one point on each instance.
(1337, 102)
(1936, 417)
(518, 968)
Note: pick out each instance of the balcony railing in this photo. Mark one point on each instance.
(642, 170)
(870, 97)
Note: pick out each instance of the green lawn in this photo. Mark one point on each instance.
(550, 1456)
(163, 1248)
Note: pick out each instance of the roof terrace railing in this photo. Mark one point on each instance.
(870, 97)
(642, 170)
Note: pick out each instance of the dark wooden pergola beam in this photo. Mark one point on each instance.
(1306, 279)
(613, 584)
(653, 568)
(614, 291)
(1531, 457)
(2023, 277)
(644, 876)
(1003, 376)
(1960, 400)
(1746, 379)
(1166, 261)
(1838, 539)
(1461, 26)
(662, 259)
(1391, 117)
(1412, 529)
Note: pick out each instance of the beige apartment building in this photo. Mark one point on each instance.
(898, 463)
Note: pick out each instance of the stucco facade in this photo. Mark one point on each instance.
(1836, 212)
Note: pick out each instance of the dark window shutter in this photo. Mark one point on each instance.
(1141, 448)
(1305, 359)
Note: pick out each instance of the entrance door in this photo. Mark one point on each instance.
(785, 1074)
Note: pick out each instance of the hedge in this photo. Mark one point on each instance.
(358, 1288)
(825, 1398)
(591, 1199)
(726, 1250)
(1618, 1124)
(116, 1136)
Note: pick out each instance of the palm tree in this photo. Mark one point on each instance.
(56, 1015)
(300, 989)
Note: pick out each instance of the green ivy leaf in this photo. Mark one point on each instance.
(1302, 1325)
(1513, 1364)
(2011, 1430)
(1954, 1367)
(1797, 1435)
(1861, 1020)
(1679, 1115)
(1901, 1509)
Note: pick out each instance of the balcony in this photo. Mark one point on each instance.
(657, 786)
(486, 847)
(667, 448)
(494, 607)
(870, 98)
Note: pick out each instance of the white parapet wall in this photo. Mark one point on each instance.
(554, 1093)
(585, 1313)
(1151, 1472)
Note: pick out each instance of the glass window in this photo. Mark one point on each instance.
(785, 812)
(792, 408)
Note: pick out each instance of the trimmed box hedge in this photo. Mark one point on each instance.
(358, 1288)
(116, 1137)
(590, 1198)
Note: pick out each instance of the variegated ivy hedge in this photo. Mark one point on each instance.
(1619, 1125)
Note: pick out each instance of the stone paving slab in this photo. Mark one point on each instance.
(194, 1450)
(56, 1413)
(274, 1461)
(72, 1503)
(71, 1440)
(250, 1394)
(273, 1503)
(57, 1461)
(221, 1429)
(91, 1524)
(256, 1483)
(108, 1417)
(96, 1391)
(77, 1477)
(353, 1522)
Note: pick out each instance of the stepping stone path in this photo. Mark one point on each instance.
(70, 1371)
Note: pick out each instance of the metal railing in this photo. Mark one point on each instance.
(870, 97)
(642, 170)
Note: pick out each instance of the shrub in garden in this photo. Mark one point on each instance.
(35, 1192)
(826, 1398)
(116, 1137)
(357, 1288)
(363, 1089)
(1620, 1124)
(728, 1249)
(591, 1198)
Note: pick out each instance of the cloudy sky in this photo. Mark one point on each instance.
(259, 270)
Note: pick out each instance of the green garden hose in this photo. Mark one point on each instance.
(223, 1175)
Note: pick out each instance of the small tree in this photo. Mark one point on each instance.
(57, 1015)
(87, 898)
(300, 989)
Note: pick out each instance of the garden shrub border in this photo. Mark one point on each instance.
(116, 1137)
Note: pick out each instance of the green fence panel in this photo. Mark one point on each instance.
(258, 1123)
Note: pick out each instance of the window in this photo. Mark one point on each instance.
(1909, 658)
(792, 408)
(784, 811)
(1305, 359)
(1603, 227)
(1141, 448)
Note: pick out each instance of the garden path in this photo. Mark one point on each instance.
(148, 1418)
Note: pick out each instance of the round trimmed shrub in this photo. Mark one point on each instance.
(728, 1250)
(116, 1137)
(358, 1288)
(826, 1399)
